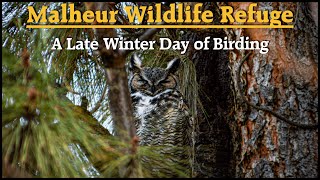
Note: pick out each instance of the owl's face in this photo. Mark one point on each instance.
(152, 81)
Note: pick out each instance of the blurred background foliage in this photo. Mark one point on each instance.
(55, 115)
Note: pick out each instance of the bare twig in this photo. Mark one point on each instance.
(98, 104)
(148, 34)
(71, 90)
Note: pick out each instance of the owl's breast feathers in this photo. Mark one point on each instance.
(162, 119)
(163, 122)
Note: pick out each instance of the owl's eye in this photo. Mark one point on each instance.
(142, 81)
(164, 81)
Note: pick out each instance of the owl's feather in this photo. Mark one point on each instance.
(161, 115)
(163, 121)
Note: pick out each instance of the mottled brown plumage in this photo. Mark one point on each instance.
(162, 116)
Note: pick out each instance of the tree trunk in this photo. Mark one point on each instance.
(286, 81)
(213, 148)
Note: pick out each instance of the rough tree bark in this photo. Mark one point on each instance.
(118, 94)
(114, 63)
(285, 80)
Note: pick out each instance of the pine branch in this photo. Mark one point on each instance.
(11, 171)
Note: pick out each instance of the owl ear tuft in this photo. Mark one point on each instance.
(173, 65)
(135, 63)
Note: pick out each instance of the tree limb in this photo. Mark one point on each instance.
(120, 104)
(98, 104)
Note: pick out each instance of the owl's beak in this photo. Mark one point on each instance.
(153, 89)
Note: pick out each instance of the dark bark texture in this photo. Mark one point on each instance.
(285, 80)
(237, 140)
(213, 148)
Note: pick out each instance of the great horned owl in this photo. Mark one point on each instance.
(161, 116)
